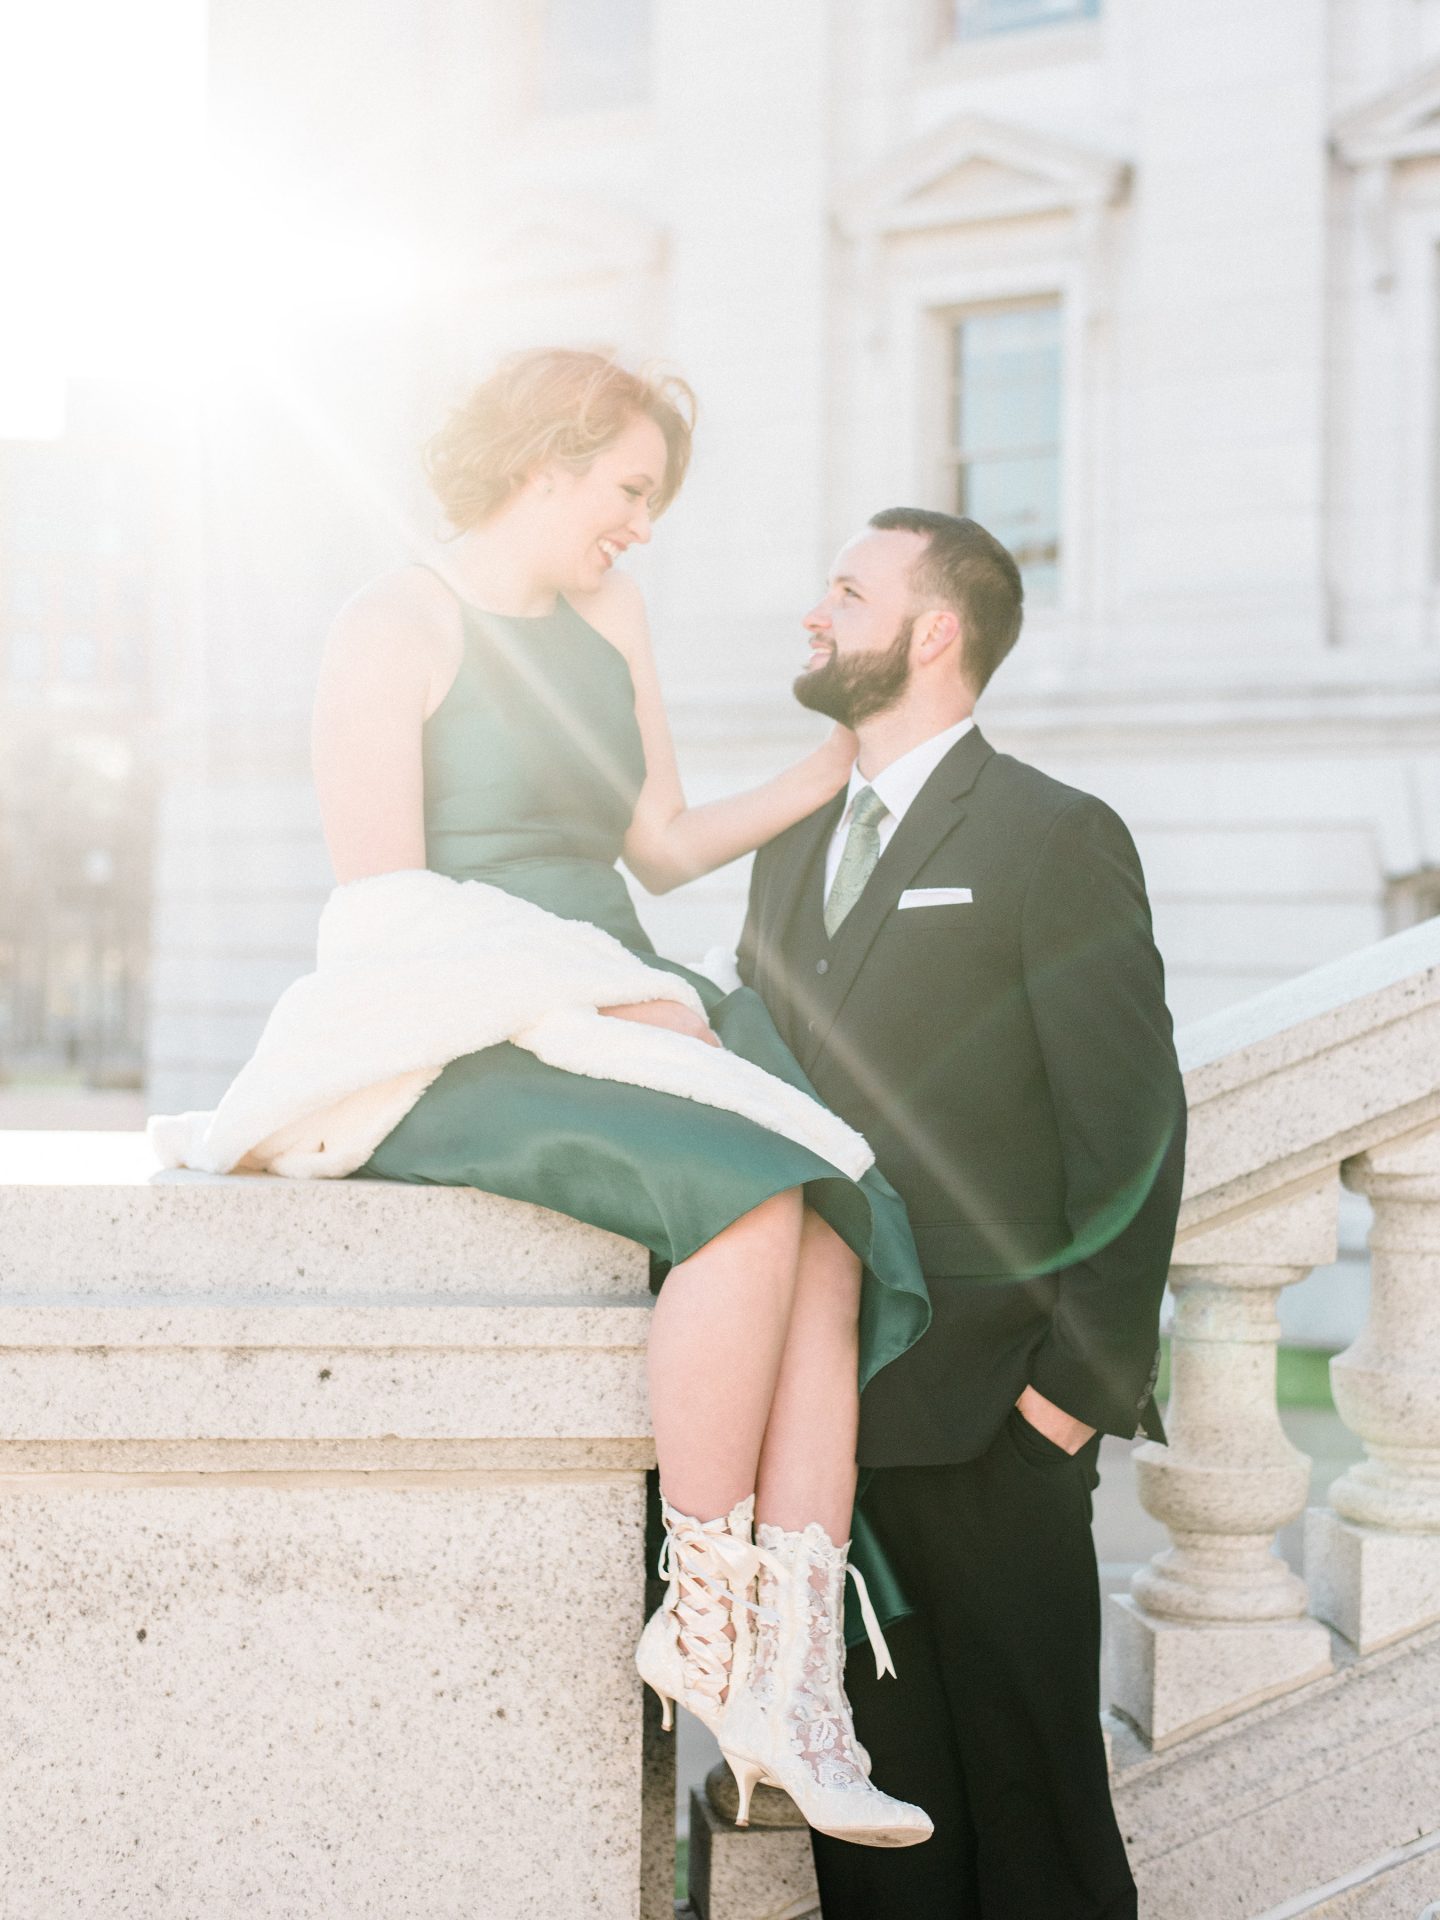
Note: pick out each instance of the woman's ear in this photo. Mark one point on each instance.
(541, 482)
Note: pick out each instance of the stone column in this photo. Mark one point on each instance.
(1373, 1556)
(1218, 1622)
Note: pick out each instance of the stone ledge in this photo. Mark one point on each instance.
(370, 1459)
(90, 1216)
(579, 1324)
(333, 1391)
(181, 1322)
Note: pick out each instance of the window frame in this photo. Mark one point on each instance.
(918, 318)
(953, 457)
(1408, 338)
(941, 56)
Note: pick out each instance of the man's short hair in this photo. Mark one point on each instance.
(967, 570)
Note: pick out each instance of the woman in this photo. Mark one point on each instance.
(503, 723)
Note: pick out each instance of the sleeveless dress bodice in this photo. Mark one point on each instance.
(532, 765)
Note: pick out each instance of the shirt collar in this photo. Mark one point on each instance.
(902, 780)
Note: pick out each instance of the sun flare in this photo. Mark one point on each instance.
(138, 247)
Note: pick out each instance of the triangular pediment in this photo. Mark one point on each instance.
(1402, 124)
(973, 168)
(545, 237)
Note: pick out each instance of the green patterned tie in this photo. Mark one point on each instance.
(857, 862)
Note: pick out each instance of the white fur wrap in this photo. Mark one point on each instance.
(412, 970)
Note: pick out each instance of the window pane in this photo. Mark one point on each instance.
(1019, 502)
(976, 18)
(26, 653)
(595, 56)
(26, 595)
(80, 597)
(79, 656)
(1005, 428)
(1007, 379)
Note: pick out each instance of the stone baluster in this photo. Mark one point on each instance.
(1217, 1621)
(1373, 1556)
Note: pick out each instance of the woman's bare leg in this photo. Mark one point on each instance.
(807, 1462)
(716, 1339)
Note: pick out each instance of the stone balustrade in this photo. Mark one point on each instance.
(322, 1521)
(1333, 1077)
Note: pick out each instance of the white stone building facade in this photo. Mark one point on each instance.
(1150, 288)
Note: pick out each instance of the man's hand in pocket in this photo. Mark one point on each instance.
(1057, 1425)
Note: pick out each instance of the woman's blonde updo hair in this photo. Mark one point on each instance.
(551, 403)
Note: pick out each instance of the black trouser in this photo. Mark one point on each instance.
(993, 1724)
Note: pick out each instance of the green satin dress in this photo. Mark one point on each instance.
(532, 765)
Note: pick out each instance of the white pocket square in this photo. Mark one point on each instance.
(936, 897)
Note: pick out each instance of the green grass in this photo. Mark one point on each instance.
(1302, 1377)
(682, 1867)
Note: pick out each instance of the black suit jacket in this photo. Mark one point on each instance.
(1010, 1061)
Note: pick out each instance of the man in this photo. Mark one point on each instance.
(958, 951)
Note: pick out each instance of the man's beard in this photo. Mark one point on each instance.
(854, 688)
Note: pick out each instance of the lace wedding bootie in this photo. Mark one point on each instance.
(696, 1646)
(789, 1724)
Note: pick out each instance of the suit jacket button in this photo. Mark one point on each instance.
(822, 966)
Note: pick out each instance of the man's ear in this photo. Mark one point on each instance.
(936, 633)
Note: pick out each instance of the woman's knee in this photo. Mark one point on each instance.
(777, 1223)
(829, 1278)
(823, 1248)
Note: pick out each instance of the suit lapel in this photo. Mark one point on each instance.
(935, 812)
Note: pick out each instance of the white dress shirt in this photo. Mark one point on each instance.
(897, 786)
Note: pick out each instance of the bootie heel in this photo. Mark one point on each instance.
(749, 1774)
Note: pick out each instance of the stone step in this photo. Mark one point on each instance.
(1324, 1804)
(1302, 1806)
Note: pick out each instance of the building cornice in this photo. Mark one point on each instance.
(1401, 124)
(971, 169)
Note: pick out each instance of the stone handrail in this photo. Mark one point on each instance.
(1333, 1077)
(1299, 1079)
